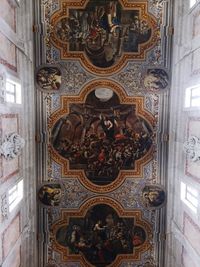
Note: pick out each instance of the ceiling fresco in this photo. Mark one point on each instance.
(106, 234)
(103, 34)
(102, 85)
(101, 141)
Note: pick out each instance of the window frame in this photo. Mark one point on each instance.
(15, 195)
(189, 97)
(187, 192)
(194, 5)
(17, 94)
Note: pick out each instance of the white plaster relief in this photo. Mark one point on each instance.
(11, 146)
(192, 148)
(4, 206)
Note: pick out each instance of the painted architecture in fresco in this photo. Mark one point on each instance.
(102, 136)
(103, 87)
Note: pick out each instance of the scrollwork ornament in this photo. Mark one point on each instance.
(11, 146)
(4, 206)
(192, 148)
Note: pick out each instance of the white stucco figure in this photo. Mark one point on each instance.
(192, 148)
(11, 146)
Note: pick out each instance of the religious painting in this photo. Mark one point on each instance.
(104, 31)
(101, 235)
(153, 196)
(50, 194)
(48, 78)
(102, 136)
(155, 80)
(139, 236)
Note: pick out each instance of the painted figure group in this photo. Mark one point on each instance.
(50, 194)
(101, 240)
(49, 78)
(103, 156)
(103, 31)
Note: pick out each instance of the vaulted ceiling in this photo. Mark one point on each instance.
(103, 79)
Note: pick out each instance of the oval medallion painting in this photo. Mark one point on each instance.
(102, 136)
(155, 80)
(153, 196)
(101, 236)
(50, 194)
(48, 78)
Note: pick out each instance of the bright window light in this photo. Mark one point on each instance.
(192, 97)
(189, 196)
(10, 98)
(17, 1)
(15, 195)
(193, 2)
(13, 92)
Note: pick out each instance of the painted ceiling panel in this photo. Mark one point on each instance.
(102, 79)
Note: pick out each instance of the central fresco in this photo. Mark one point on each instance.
(102, 83)
(102, 136)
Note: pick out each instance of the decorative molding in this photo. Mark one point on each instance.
(13, 231)
(11, 146)
(4, 206)
(187, 217)
(192, 148)
(2, 88)
(27, 229)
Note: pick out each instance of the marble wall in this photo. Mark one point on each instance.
(17, 227)
(183, 232)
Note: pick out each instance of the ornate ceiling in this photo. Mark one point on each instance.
(102, 78)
